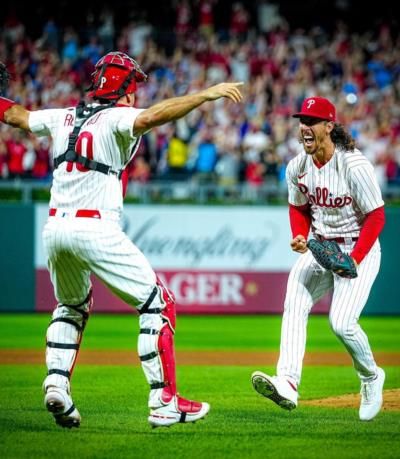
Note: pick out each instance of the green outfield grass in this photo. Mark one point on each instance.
(112, 399)
(258, 333)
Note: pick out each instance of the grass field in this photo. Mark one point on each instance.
(112, 399)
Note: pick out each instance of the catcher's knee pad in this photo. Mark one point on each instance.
(156, 345)
(63, 338)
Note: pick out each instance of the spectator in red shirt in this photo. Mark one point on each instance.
(16, 152)
(183, 18)
(41, 165)
(206, 16)
(239, 25)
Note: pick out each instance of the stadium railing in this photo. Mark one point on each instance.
(28, 191)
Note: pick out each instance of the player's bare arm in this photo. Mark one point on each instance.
(17, 116)
(177, 107)
(299, 244)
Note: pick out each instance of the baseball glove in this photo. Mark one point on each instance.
(4, 79)
(329, 255)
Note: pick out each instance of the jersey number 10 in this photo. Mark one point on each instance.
(83, 147)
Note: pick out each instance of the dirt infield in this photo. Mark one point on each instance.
(391, 401)
(89, 357)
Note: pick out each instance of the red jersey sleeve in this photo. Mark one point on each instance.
(372, 227)
(300, 220)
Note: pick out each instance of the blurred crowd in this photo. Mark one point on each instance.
(219, 143)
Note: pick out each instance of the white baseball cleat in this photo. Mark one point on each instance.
(59, 403)
(178, 410)
(371, 396)
(276, 388)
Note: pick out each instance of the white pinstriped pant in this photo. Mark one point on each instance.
(76, 247)
(308, 282)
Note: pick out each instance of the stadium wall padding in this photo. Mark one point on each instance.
(17, 267)
(385, 295)
(19, 273)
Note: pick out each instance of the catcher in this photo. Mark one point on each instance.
(92, 145)
(334, 192)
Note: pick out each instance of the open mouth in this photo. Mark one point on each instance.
(308, 140)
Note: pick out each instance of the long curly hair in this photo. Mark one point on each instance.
(342, 139)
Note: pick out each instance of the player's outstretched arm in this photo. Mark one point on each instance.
(177, 107)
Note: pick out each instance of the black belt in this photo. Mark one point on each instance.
(339, 240)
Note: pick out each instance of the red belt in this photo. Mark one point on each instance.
(86, 213)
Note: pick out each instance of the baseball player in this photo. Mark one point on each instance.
(92, 145)
(332, 191)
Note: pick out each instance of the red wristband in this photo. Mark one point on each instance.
(5, 104)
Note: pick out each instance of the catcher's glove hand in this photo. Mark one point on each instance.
(329, 255)
(4, 79)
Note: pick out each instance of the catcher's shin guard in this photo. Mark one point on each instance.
(156, 351)
(166, 343)
(63, 339)
(156, 344)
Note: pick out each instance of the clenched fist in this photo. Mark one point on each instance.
(299, 244)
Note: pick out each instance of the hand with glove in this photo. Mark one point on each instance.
(329, 255)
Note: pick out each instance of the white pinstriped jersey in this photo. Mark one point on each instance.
(340, 193)
(105, 137)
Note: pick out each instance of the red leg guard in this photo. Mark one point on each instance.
(188, 406)
(167, 356)
(166, 346)
(186, 410)
(169, 312)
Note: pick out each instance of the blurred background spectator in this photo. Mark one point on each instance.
(283, 51)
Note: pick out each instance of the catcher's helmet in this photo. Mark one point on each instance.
(115, 75)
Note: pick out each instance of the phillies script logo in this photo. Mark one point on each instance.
(322, 197)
